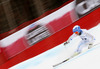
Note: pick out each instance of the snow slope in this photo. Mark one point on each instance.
(86, 60)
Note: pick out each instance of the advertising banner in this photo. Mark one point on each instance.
(84, 7)
(34, 32)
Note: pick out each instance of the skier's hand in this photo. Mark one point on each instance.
(66, 42)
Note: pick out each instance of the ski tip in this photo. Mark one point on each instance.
(61, 62)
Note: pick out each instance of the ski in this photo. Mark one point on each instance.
(60, 63)
(68, 58)
(64, 60)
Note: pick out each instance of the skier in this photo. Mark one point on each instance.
(87, 39)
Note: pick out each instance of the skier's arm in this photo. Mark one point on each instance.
(91, 36)
(87, 32)
(71, 37)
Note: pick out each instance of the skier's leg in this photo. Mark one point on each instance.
(80, 47)
(78, 51)
(90, 44)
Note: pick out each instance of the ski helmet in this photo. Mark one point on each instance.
(77, 29)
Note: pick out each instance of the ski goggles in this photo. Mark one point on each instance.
(76, 32)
